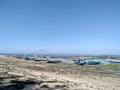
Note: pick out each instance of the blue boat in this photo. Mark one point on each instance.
(90, 61)
(79, 62)
(29, 57)
(86, 62)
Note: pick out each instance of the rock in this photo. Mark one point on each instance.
(60, 86)
(23, 82)
(44, 86)
(37, 87)
(12, 87)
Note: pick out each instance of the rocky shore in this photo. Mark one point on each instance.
(19, 74)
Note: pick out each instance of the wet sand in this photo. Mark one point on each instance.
(18, 74)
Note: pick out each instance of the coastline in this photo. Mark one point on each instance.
(59, 76)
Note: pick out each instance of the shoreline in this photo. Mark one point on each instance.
(57, 76)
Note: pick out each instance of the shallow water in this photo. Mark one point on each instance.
(28, 87)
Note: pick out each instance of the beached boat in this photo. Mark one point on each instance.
(29, 57)
(86, 62)
(19, 57)
(92, 62)
(54, 60)
(42, 58)
(113, 61)
(79, 62)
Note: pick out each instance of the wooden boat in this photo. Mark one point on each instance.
(29, 57)
(113, 61)
(53, 61)
(40, 59)
(87, 62)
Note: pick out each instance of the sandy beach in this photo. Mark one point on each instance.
(19, 74)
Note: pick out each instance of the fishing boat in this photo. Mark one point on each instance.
(42, 58)
(92, 62)
(113, 61)
(86, 61)
(54, 60)
(29, 57)
(19, 57)
(79, 62)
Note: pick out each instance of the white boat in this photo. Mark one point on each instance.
(113, 61)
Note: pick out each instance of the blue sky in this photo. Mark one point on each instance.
(60, 26)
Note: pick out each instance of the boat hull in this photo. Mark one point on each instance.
(54, 61)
